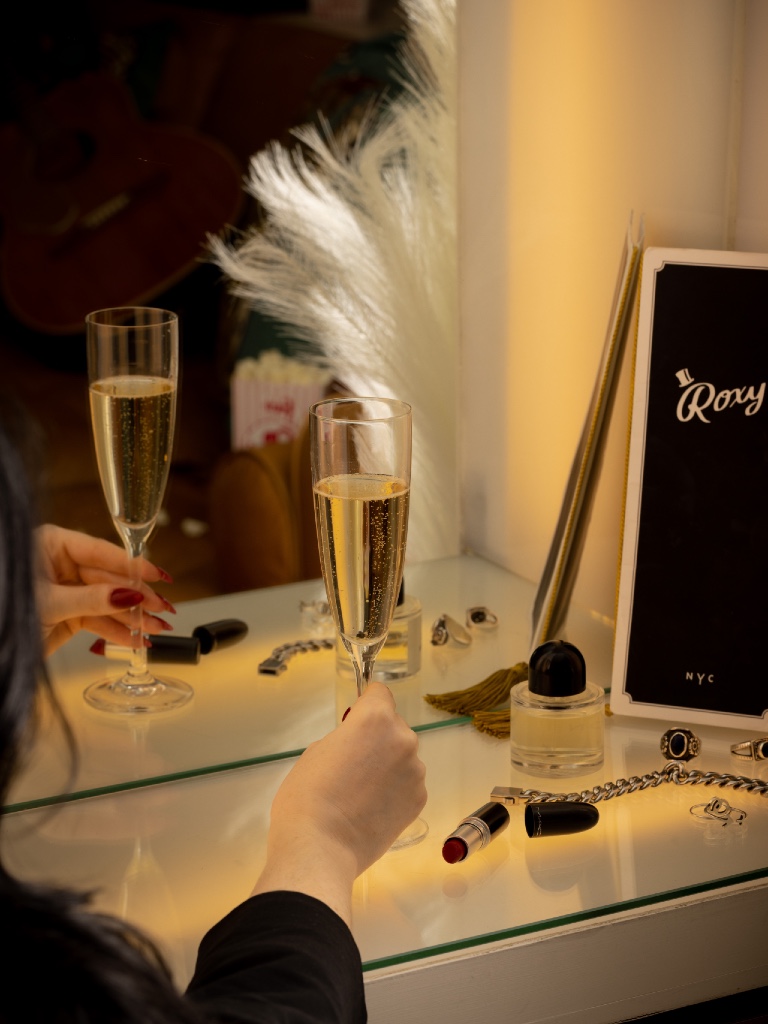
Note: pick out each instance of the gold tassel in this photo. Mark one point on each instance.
(488, 694)
(495, 723)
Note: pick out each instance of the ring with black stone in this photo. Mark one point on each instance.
(680, 745)
(751, 750)
(481, 617)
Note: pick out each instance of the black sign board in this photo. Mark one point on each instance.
(693, 593)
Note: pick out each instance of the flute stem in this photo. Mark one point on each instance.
(137, 674)
(363, 659)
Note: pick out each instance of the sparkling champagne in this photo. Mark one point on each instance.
(362, 523)
(133, 419)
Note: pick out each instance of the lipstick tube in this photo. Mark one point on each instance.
(549, 818)
(475, 832)
(213, 636)
(181, 650)
(559, 819)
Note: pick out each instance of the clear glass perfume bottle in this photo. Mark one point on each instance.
(557, 718)
(401, 654)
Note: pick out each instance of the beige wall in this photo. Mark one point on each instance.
(572, 114)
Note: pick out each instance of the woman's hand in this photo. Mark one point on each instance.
(82, 584)
(345, 802)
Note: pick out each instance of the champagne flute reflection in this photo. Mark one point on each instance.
(133, 374)
(146, 901)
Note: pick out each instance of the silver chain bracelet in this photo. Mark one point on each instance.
(673, 771)
(277, 661)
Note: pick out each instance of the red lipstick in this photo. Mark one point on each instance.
(475, 831)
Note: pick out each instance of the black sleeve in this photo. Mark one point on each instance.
(280, 957)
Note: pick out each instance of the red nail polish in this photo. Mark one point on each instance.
(345, 714)
(168, 606)
(125, 597)
(97, 647)
(164, 576)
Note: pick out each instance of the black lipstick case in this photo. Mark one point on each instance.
(187, 650)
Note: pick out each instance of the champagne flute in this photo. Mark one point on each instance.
(133, 376)
(361, 478)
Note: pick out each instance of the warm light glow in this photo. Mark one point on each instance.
(574, 115)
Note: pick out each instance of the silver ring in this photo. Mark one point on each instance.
(751, 750)
(718, 810)
(680, 745)
(445, 628)
(481, 617)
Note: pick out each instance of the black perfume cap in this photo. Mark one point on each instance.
(222, 633)
(557, 669)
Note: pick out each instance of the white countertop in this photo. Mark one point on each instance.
(176, 856)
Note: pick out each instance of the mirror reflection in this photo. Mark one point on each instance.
(125, 134)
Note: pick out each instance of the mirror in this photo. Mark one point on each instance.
(125, 133)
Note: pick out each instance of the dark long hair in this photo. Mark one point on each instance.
(85, 967)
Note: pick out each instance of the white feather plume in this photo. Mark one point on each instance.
(357, 253)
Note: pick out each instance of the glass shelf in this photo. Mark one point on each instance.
(145, 851)
(239, 717)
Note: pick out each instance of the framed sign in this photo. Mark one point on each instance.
(693, 590)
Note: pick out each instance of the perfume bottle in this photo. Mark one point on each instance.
(401, 654)
(557, 718)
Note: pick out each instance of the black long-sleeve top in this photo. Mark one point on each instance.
(280, 958)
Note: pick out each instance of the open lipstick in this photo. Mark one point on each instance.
(475, 831)
(181, 650)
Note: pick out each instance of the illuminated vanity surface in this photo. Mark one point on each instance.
(238, 715)
(652, 908)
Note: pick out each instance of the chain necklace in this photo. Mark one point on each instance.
(673, 771)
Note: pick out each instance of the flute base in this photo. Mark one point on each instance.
(415, 833)
(121, 697)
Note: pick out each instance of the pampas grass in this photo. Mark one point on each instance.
(357, 255)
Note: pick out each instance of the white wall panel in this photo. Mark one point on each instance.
(572, 114)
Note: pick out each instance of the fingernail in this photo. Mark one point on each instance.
(167, 604)
(165, 576)
(124, 597)
(163, 623)
(97, 647)
(345, 714)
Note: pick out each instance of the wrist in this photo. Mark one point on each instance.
(312, 863)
